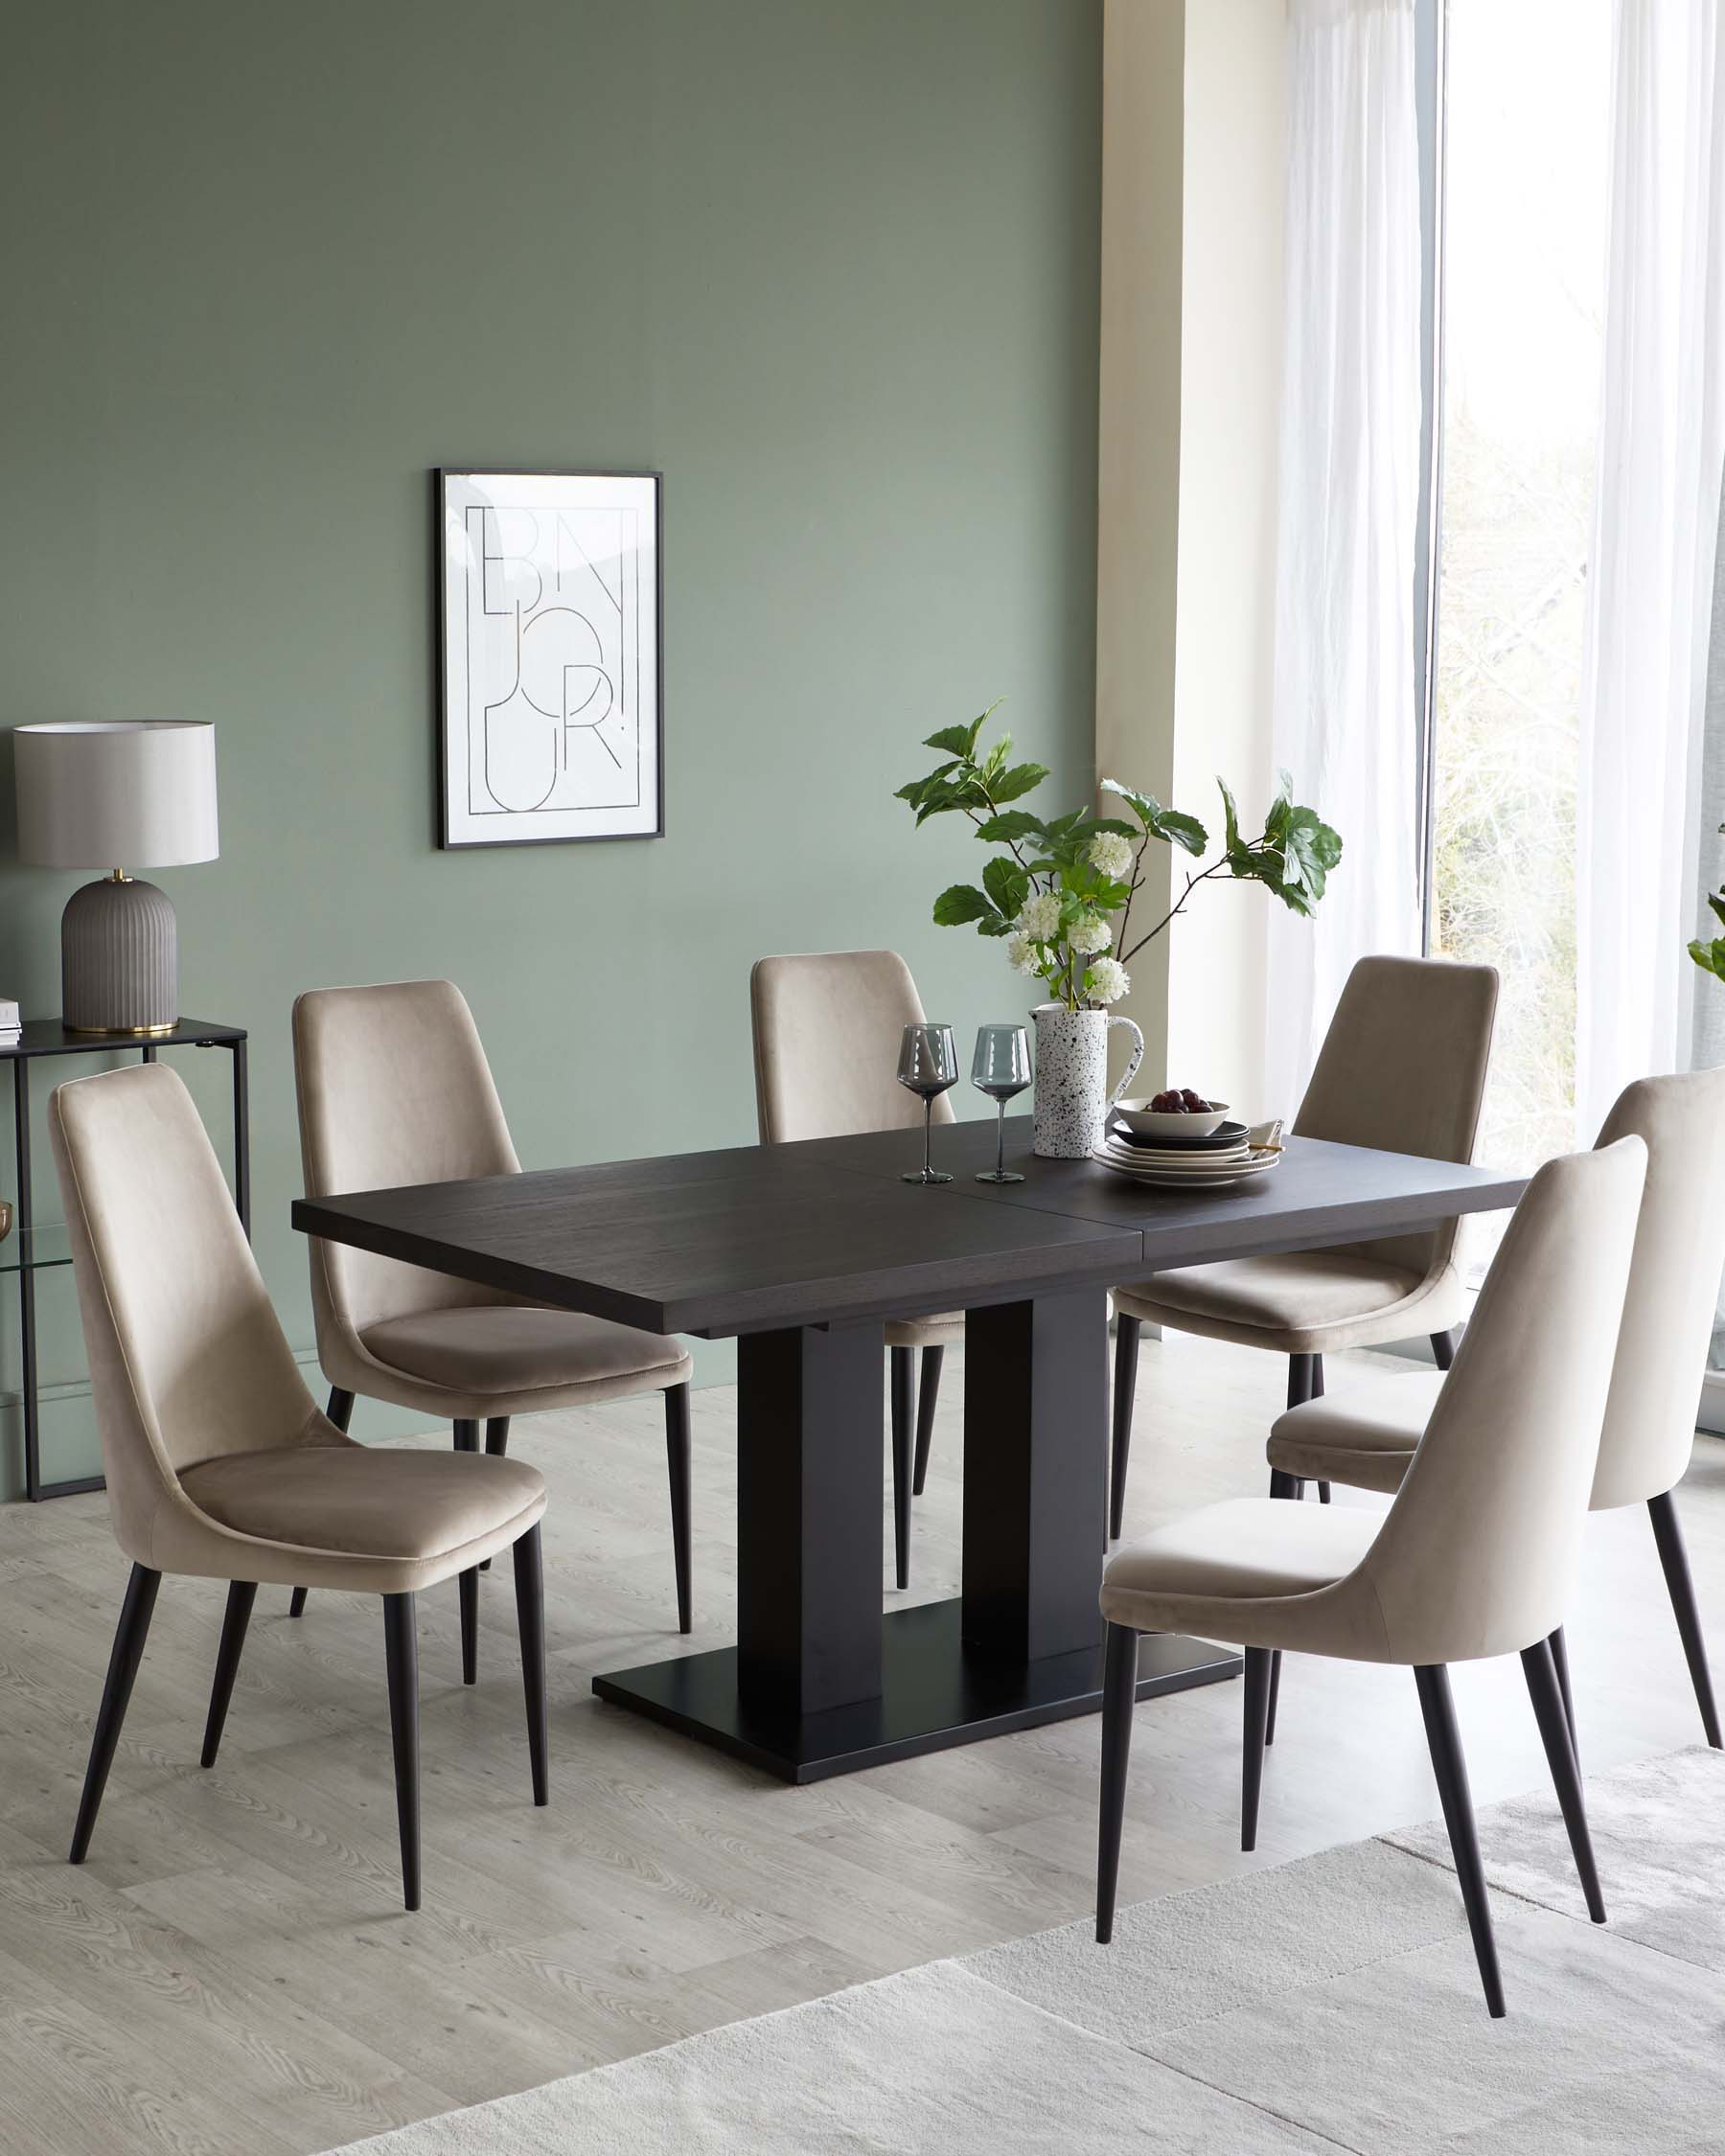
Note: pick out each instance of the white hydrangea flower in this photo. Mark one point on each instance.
(1020, 956)
(1039, 917)
(1108, 981)
(1090, 935)
(1112, 854)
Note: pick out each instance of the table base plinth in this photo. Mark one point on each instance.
(935, 1693)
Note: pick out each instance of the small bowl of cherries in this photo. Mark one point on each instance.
(1177, 1113)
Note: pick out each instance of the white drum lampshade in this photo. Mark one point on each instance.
(131, 794)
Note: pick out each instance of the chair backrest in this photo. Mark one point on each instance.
(1479, 1552)
(1403, 1070)
(1674, 1284)
(826, 1043)
(187, 1360)
(394, 1089)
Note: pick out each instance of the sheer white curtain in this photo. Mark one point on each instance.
(1662, 432)
(1345, 705)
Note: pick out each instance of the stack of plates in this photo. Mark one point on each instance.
(1207, 1164)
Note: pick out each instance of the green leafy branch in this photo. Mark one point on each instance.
(1060, 880)
(1710, 956)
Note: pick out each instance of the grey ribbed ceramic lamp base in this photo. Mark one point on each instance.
(119, 959)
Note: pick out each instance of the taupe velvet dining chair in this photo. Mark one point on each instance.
(826, 1038)
(1476, 1557)
(394, 1089)
(1403, 1070)
(1367, 1436)
(219, 1463)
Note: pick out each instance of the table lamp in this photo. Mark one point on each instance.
(142, 792)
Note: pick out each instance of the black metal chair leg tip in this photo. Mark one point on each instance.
(297, 1607)
(1104, 1933)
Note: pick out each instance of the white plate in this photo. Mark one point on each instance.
(1187, 1179)
(1159, 1156)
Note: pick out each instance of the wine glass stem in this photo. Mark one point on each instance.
(928, 1127)
(1000, 1140)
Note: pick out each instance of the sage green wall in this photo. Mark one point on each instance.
(831, 264)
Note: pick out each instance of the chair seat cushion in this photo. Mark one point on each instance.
(511, 1348)
(1245, 1549)
(366, 1500)
(1302, 1302)
(1365, 1436)
(943, 1331)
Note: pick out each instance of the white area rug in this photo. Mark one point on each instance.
(1332, 2004)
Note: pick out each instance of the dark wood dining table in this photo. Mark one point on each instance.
(799, 1252)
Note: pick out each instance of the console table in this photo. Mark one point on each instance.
(31, 1249)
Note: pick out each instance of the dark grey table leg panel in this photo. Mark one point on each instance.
(1035, 1474)
(808, 1471)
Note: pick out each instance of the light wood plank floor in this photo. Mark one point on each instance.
(232, 1970)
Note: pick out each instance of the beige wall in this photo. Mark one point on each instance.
(1138, 481)
(1192, 315)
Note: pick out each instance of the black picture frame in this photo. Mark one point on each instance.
(447, 838)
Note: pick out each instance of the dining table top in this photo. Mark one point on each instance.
(751, 1238)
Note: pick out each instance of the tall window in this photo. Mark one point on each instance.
(1523, 195)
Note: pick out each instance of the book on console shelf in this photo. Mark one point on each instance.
(11, 1019)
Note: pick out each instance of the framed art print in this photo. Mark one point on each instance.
(550, 721)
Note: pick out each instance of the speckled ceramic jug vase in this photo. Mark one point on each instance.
(1072, 1099)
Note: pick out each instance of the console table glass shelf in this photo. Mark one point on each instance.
(39, 1245)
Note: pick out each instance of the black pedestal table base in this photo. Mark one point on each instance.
(935, 1693)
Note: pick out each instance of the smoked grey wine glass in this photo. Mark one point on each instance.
(1000, 1067)
(928, 1065)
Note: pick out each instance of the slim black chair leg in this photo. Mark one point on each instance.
(467, 1586)
(677, 1458)
(928, 1394)
(496, 1444)
(1257, 1695)
(1282, 1486)
(1547, 1695)
(903, 1438)
(130, 1636)
(1444, 1350)
(401, 1653)
(1323, 1488)
(467, 1440)
(1119, 1697)
(339, 1411)
(530, 1618)
(1668, 1535)
(1559, 1647)
(1125, 1389)
(242, 1594)
(1305, 1382)
(1444, 1739)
